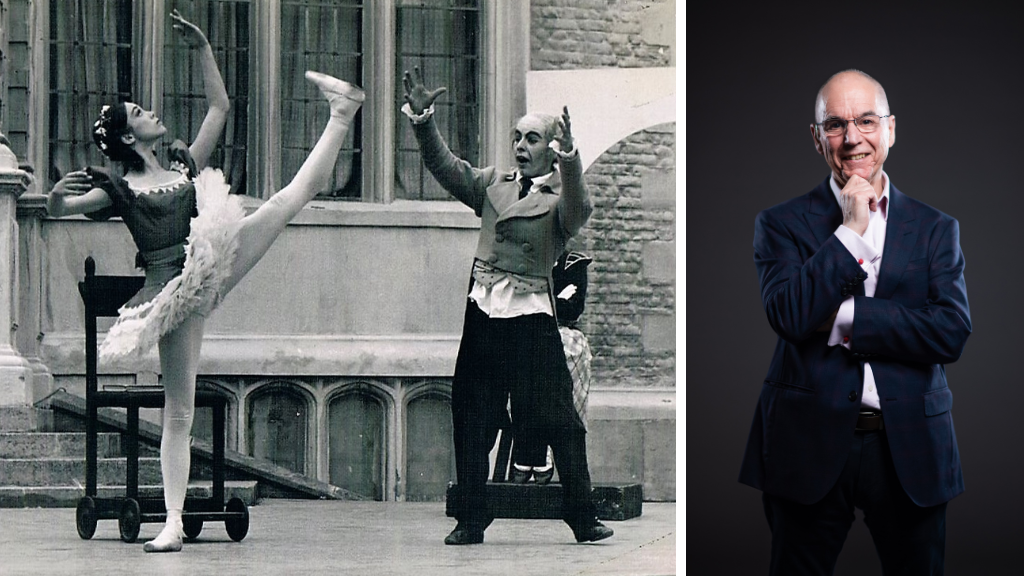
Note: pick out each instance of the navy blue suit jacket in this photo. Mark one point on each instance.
(917, 321)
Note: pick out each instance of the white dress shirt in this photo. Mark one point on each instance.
(867, 250)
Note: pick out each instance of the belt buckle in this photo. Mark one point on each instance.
(872, 415)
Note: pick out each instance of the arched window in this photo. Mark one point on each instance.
(429, 451)
(278, 425)
(356, 422)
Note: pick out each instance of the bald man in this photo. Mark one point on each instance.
(865, 288)
(510, 345)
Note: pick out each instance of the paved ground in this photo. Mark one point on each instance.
(351, 538)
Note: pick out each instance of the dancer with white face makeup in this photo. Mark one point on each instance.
(511, 350)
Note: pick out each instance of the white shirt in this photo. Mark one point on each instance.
(867, 250)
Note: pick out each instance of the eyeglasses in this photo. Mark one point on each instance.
(867, 124)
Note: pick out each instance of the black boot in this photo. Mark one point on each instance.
(464, 534)
(592, 532)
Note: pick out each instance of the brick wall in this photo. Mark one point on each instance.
(568, 34)
(630, 314)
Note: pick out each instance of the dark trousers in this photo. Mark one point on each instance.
(519, 359)
(909, 539)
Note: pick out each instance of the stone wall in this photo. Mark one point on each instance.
(630, 315)
(566, 34)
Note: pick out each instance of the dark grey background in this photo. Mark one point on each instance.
(955, 81)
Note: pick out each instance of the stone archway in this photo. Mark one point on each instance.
(606, 104)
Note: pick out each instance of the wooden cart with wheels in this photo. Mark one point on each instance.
(103, 296)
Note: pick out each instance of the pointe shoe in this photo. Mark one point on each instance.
(344, 98)
(169, 540)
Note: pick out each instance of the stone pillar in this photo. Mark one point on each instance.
(32, 290)
(15, 371)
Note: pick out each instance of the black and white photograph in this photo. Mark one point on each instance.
(375, 287)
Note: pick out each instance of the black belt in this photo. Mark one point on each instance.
(869, 421)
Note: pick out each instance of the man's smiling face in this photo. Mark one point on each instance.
(848, 96)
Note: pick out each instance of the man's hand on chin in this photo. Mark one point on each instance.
(857, 200)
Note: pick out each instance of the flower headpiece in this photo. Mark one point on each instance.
(99, 129)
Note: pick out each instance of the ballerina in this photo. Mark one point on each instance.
(195, 241)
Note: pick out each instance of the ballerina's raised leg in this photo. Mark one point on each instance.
(180, 348)
(259, 230)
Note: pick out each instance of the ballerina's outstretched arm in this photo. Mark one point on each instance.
(216, 95)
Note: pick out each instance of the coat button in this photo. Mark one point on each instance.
(527, 247)
(499, 238)
(852, 396)
(521, 268)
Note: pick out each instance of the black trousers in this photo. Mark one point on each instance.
(519, 359)
(909, 539)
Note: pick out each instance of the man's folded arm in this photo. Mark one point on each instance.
(935, 333)
(800, 296)
(842, 321)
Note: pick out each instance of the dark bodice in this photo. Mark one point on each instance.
(158, 218)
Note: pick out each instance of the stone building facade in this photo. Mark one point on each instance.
(336, 352)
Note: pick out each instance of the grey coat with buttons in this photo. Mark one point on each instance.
(520, 236)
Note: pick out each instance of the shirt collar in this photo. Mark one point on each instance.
(538, 181)
(883, 202)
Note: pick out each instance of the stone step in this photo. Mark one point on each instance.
(57, 445)
(71, 471)
(67, 496)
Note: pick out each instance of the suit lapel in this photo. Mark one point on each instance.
(505, 198)
(503, 194)
(900, 237)
(823, 214)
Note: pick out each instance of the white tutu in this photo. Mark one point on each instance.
(209, 253)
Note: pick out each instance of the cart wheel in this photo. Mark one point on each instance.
(129, 520)
(192, 526)
(85, 518)
(237, 527)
